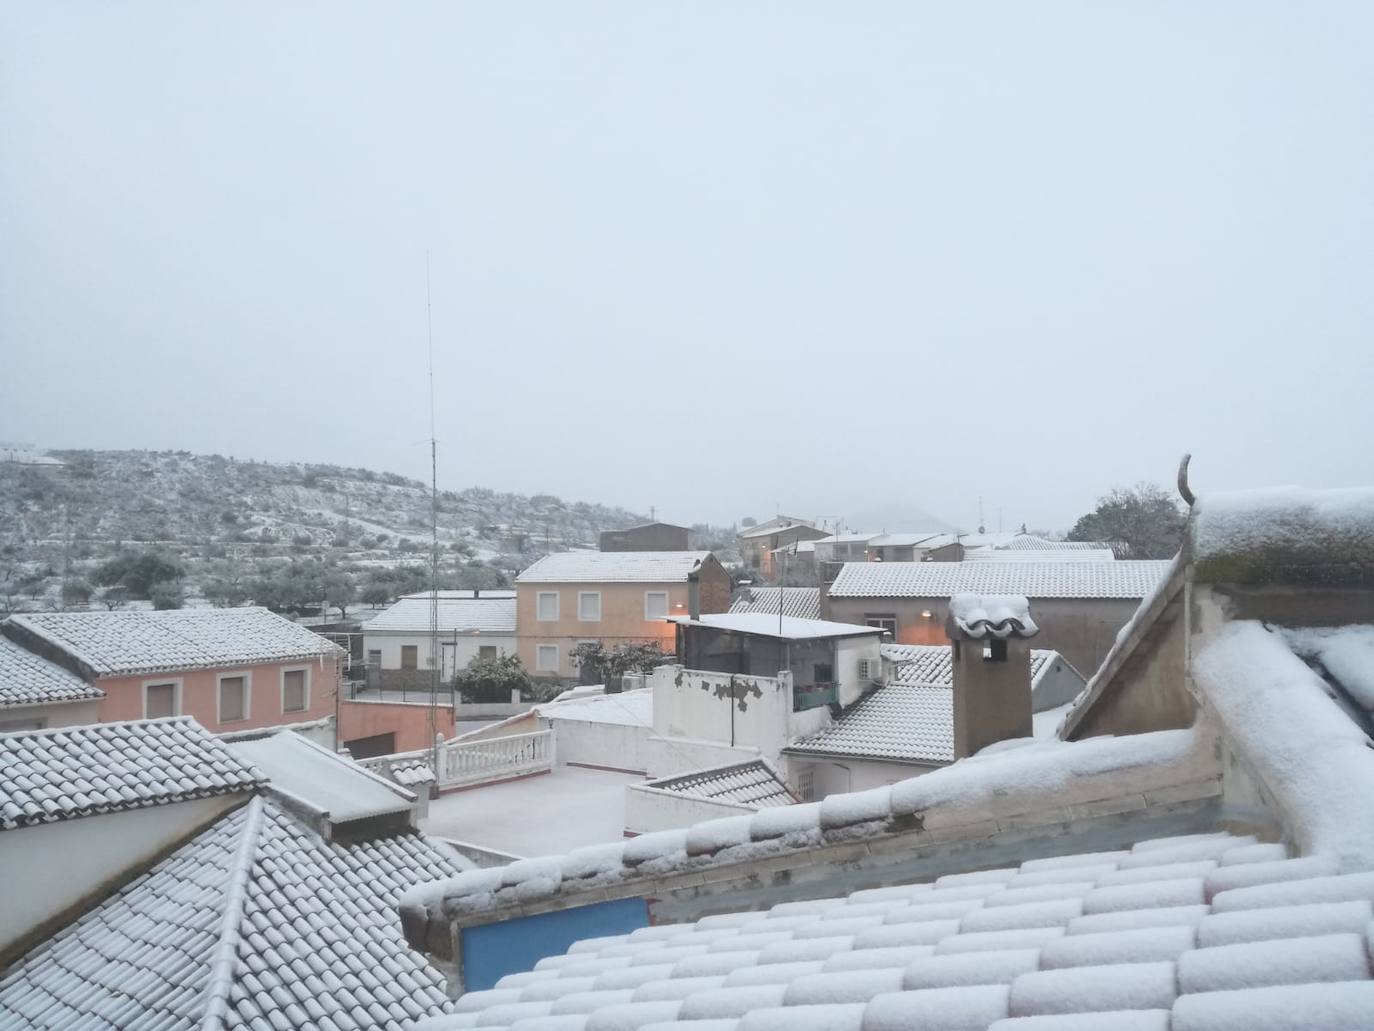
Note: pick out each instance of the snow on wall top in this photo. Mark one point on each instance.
(29, 679)
(149, 641)
(627, 709)
(991, 615)
(762, 624)
(465, 615)
(1120, 579)
(614, 567)
(1238, 936)
(255, 923)
(1029, 778)
(801, 602)
(1310, 755)
(1280, 534)
(68, 772)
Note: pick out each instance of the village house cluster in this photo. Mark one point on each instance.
(955, 781)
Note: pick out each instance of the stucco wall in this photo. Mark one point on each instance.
(199, 695)
(65, 714)
(739, 711)
(622, 620)
(51, 868)
(1082, 630)
(653, 809)
(610, 745)
(836, 776)
(408, 721)
(453, 655)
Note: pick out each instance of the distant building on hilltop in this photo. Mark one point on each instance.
(647, 537)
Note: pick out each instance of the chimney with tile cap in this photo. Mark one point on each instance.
(990, 637)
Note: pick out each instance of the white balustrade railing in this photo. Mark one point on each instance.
(465, 763)
(498, 758)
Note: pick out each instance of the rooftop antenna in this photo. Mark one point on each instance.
(433, 542)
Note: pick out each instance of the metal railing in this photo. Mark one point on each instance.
(812, 696)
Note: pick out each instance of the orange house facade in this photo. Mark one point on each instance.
(230, 669)
(610, 597)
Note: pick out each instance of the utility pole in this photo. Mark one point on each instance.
(433, 543)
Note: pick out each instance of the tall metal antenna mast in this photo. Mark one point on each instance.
(433, 541)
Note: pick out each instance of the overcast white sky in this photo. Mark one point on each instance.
(713, 257)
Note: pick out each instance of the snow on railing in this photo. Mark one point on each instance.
(466, 763)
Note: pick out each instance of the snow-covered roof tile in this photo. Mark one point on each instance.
(911, 723)
(29, 679)
(614, 567)
(1120, 579)
(257, 922)
(934, 664)
(749, 783)
(69, 772)
(152, 641)
(991, 615)
(999, 962)
(464, 615)
(801, 602)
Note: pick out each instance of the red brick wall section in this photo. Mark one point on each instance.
(715, 587)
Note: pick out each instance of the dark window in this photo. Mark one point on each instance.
(883, 620)
(996, 651)
(822, 673)
(486, 651)
(371, 747)
(410, 656)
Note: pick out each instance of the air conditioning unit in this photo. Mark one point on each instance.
(870, 669)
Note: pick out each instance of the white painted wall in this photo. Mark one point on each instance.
(848, 653)
(653, 809)
(40, 717)
(613, 745)
(698, 706)
(53, 867)
(467, 648)
(671, 755)
(836, 776)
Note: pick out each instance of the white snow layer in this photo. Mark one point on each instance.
(993, 615)
(1347, 653)
(1279, 718)
(1286, 519)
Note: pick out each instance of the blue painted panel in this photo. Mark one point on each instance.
(491, 951)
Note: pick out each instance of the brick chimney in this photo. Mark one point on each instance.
(990, 635)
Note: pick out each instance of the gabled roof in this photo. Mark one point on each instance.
(256, 923)
(1121, 579)
(752, 784)
(776, 525)
(69, 772)
(926, 539)
(151, 641)
(1208, 932)
(614, 567)
(788, 628)
(464, 615)
(802, 602)
(29, 679)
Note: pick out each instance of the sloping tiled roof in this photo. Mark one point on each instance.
(802, 602)
(465, 615)
(911, 723)
(1121, 579)
(148, 641)
(256, 923)
(614, 567)
(750, 783)
(68, 772)
(933, 663)
(29, 679)
(775, 525)
(1207, 932)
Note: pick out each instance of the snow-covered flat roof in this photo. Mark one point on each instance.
(329, 782)
(776, 525)
(750, 783)
(29, 679)
(627, 709)
(614, 567)
(1118, 579)
(761, 624)
(149, 641)
(70, 772)
(1033, 555)
(466, 615)
(802, 602)
(926, 539)
(1206, 932)
(258, 922)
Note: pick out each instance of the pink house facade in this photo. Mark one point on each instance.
(229, 669)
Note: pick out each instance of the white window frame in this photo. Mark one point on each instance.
(176, 694)
(539, 608)
(649, 617)
(539, 666)
(247, 676)
(281, 677)
(588, 594)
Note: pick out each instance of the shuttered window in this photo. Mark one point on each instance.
(293, 691)
(233, 699)
(160, 700)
